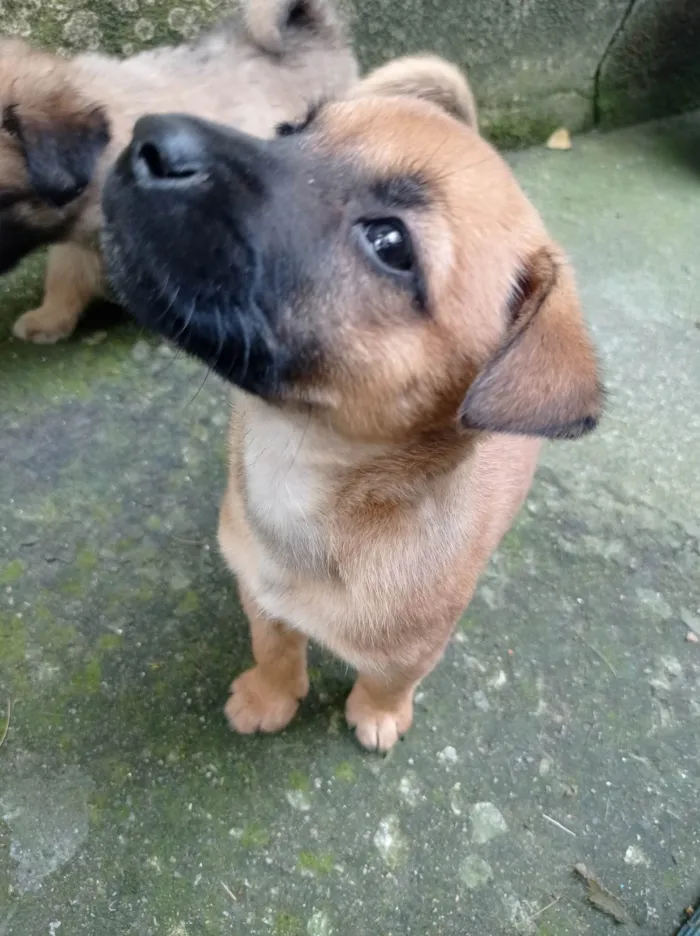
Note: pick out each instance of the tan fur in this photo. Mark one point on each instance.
(364, 522)
(246, 73)
(426, 77)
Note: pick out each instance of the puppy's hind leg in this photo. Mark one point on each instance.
(73, 278)
(266, 697)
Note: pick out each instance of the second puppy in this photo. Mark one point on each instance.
(62, 122)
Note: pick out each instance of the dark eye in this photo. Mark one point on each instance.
(390, 242)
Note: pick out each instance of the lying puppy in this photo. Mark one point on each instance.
(259, 67)
(400, 332)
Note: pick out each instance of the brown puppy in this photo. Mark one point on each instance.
(259, 67)
(406, 334)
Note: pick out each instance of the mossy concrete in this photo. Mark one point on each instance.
(652, 67)
(561, 727)
(535, 64)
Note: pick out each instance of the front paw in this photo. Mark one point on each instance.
(378, 727)
(43, 327)
(258, 704)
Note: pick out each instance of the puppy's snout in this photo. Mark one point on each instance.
(168, 151)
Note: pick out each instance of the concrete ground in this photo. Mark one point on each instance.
(562, 727)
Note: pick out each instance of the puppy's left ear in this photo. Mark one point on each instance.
(544, 381)
(427, 77)
(60, 152)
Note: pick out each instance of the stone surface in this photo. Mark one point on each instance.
(535, 64)
(126, 804)
(532, 63)
(652, 67)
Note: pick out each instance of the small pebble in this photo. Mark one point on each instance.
(141, 351)
(474, 872)
(487, 823)
(448, 755)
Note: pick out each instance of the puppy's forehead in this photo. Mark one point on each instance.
(407, 137)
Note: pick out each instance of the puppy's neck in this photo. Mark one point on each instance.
(297, 457)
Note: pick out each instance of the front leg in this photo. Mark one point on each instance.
(73, 278)
(266, 697)
(380, 706)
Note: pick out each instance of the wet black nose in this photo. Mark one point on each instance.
(168, 151)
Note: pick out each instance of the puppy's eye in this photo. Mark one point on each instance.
(391, 244)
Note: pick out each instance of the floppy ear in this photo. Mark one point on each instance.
(60, 152)
(544, 381)
(426, 77)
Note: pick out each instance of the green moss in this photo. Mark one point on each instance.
(73, 588)
(188, 604)
(315, 675)
(34, 375)
(671, 880)
(317, 865)
(101, 512)
(68, 369)
(87, 681)
(528, 691)
(143, 593)
(58, 638)
(109, 642)
(298, 781)
(632, 103)
(286, 924)
(254, 836)
(511, 133)
(512, 543)
(13, 640)
(516, 131)
(85, 560)
(125, 545)
(345, 771)
(12, 572)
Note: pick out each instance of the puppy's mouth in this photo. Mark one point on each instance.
(182, 246)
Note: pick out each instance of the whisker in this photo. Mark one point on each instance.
(199, 389)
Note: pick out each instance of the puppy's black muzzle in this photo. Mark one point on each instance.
(190, 208)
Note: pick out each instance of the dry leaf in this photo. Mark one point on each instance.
(601, 898)
(560, 140)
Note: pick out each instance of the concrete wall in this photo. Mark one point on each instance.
(535, 64)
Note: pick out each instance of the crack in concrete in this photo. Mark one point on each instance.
(617, 32)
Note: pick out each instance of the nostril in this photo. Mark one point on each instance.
(148, 153)
(164, 165)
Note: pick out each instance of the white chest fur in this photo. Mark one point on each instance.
(286, 487)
